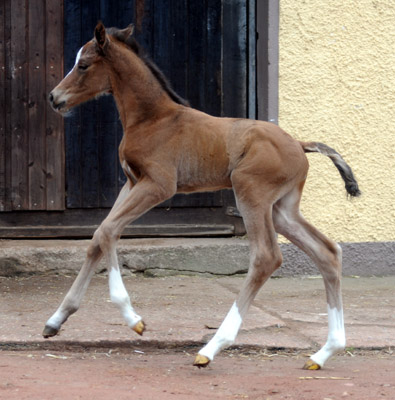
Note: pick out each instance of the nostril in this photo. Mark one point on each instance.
(50, 97)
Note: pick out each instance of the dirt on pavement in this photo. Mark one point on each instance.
(168, 374)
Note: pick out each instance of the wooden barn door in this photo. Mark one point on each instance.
(31, 135)
(59, 177)
(201, 46)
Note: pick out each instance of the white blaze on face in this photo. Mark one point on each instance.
(77, 58)
(225, 335)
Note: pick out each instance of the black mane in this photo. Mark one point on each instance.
(158, 74)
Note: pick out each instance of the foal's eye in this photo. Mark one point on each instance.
(83, 67)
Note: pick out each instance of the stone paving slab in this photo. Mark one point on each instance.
(180, 310)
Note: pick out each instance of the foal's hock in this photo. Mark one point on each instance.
(170, 148)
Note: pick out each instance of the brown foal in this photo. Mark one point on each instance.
(170, 148)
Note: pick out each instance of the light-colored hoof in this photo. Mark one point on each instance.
(311, 365)
(201, 361)
(139, 328)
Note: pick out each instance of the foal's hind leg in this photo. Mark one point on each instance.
(264, 260)
(73, 298)
(327, 256)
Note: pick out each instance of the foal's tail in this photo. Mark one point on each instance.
(344, 169)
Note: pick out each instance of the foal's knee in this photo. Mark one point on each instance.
(93, 250)
(264, 263)
(331, 263)
(268, 259)
(331, 252)
(334, 254)
(103, 237)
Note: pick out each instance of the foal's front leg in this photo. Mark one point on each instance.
(130, 205)
(74, 296)
(118, 294)
(145, 195)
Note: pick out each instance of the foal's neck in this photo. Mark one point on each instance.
(138, 94)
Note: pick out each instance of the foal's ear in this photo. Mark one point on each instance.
(125, 33)
(100, 35)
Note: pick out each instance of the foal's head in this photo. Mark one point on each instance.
(90, 75)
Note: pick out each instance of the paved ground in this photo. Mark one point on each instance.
(288, 312)
(286, 323)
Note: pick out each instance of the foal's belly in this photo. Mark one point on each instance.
(202, 175)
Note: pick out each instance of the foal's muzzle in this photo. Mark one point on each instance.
(57, 106)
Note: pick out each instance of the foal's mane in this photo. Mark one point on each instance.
(132, 44)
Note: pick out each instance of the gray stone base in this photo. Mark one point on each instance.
(158, 257)
(361, 259)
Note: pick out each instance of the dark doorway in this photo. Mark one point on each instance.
(50, 187)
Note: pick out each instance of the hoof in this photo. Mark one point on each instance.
(201, 361)
(139, 328)
(49, 331)
(311, 365)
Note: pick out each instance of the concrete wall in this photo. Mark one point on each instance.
(336, 85)
(187, 256)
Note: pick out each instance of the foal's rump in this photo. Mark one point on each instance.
(262, 149)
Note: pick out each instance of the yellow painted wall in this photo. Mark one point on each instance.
(337, 86)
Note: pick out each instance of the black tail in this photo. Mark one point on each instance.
(344, 169)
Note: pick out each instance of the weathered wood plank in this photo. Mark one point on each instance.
(178, 46)
(55, 163)
(213, 56)
(252, 98)
(19, 106)
(72, 124)
(144, 23)
(125, 13)
(3, 153)
(161, 26)
(209, 199)
(7, 109)
(157, 222)
(234, 58)
(37, 169)
(90, 182)
(197, 54)
(82, 231)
